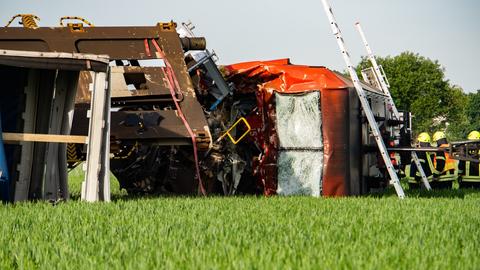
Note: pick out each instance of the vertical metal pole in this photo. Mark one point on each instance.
(51, 184)
(94, 161)
(363, 100)
(105, 173)
(422, 172)
(66, 127)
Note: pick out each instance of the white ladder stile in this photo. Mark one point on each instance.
(363, 100)
(378, 72)
(384, 87)
(425, 182)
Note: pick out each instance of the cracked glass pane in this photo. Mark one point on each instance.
(300, 173)
(298, 120)
(300, 161)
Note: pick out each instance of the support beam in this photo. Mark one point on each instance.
(13, 138)
(97, 147)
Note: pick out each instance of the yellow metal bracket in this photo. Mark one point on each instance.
(227, 133)
(28, 20)
(170, 26)
(75, 27)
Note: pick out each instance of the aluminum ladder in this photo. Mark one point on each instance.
(381, 78)
(363, 100)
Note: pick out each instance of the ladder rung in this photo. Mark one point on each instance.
(362, 95)
(375, 95)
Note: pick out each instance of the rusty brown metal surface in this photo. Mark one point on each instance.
(132, 81)
(131, 85)
(335, 133)
(143, 111)
(83, 92)
(120, 43)
(138, 125)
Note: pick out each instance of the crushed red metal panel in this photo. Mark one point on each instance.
(334, 108)
(266, 77)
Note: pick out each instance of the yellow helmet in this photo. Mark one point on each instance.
(474, 135)
(424, 137)
(438, 136)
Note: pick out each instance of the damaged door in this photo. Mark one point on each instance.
(300, 159)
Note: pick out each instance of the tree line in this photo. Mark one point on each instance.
(418, 84)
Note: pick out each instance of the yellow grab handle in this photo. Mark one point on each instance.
(75, 18)
(227, 133)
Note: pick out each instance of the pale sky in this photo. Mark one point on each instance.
(246, 30)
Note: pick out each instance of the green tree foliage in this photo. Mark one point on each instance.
(459, 123)
(418, 85)
(473, 111)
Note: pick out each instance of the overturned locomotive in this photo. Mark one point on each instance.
(180, 124)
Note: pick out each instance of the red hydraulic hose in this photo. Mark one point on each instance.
(172, 85)
(147, 48)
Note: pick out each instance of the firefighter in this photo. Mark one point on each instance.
(444, 166)
(470, 171)
(425, 158)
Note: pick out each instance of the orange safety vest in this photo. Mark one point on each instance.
(449, 162)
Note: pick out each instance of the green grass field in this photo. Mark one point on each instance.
(435, 232)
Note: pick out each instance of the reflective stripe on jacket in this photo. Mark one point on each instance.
(449, 162)
(471, 178)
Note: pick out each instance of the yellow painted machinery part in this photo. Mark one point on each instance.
(75, 18)
(227, 133)
(28, 20)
